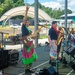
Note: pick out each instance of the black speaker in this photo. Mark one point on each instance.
(73, 67)
(13, 56)
(72, 64)
(71, 51)
(52, 71)
(3, 59)
(49, 71)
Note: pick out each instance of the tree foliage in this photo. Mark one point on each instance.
(6, 5)
(53, 13)
(1, 1)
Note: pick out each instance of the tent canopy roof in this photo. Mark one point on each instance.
(21, 11)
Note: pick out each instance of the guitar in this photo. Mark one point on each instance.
(28, 40)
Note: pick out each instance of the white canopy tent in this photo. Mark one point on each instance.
(21, 11)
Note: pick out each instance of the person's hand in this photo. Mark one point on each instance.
(50, 44)
(27, 7)
(39, 29)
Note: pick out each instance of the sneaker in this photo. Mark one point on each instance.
(58, 61)
(26, 71)
(53, 63)
(29, 71)
(49, 61)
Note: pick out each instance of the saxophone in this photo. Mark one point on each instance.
(60, 36)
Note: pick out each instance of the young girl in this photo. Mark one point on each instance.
(28, 53)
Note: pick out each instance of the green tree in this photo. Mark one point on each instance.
(1, 10)
(14, 1)
(18, 3)
(6, 5)
(1, 1)
(9, 4)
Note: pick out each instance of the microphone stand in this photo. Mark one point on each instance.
(68, 43)
(58, 51)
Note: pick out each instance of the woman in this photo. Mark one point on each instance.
(52, 38)
(28, 53)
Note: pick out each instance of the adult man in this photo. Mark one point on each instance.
(52, 38)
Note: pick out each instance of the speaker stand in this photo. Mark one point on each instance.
(57, 72)
(58, 52)
(2, 48)
(21, 52)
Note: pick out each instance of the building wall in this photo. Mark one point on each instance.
(70, 17)
(70, 24)
(0, 23)
(73, 18)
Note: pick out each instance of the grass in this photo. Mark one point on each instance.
(42, 36)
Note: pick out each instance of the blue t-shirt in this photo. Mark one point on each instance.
(24, 30)
(52, 33)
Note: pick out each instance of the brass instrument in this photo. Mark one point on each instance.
(60, 36)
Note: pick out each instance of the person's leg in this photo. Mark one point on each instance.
(27, 68)
(52, 58)
(59, 50)
(53, 53)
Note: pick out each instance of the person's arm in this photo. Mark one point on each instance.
(25, 16)
(25, 40)
(49, 39)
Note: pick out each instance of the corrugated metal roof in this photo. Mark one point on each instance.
(73, 14)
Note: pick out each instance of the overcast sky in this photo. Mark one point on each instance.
(55, 4)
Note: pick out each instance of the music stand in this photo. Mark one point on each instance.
(71, 47)
(2, 48)
(57, 72)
